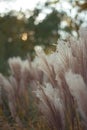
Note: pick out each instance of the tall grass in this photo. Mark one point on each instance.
(59, 86)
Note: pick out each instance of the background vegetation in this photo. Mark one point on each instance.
(19, 34)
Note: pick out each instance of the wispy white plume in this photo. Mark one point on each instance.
(59, 81)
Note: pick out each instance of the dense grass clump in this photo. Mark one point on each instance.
(51, 89)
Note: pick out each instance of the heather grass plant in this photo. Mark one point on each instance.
(58, 83)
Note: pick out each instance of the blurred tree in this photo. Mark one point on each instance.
(47, 30)
(19, 35)
(82, 6)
